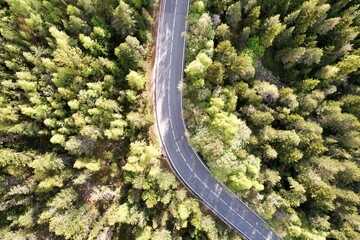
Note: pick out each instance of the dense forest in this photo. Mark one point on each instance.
(273, 107)
(78, 156)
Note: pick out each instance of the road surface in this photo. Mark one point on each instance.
(183, 159)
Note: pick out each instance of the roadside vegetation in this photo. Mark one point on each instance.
(272, 102)
(76, 157)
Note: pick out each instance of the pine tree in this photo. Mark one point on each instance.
(273, 27)
(215, 73)
(233, 14)
(123, 19)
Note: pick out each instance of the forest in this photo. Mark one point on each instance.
(79, 158)
(272, 103)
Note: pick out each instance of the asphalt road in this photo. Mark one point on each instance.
(171, 127)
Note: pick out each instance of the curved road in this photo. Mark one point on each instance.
(183, 159)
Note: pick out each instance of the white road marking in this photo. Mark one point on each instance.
(170, 114)
(197, 177)
(189, 167)
(224, 202)
(183, 157)
(247, 222)
(214, 193)
(175, 13)
(171, 125)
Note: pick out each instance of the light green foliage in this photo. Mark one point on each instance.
(328, 25)
(211, 148)
(229, 97)
(287, 98)
(223, 32)
(209, 225)
(62, 201)
(138, 120)
(302, 117)
(196, 70)
(91, 165)
(296, 195)
(141, 157)
(319, 189)
(91, 132)
(46, 165)
(131, 54)
(310, 12)
(239, 182)
(161, 234)
(350, 104)
(271, 177)
(261, 119)
(136, 80)
(328, 73)
(298, 232)
(76, 160)
(49, 183)
(123, 19)
(253, 21)
(291, 56)
(225, 53)
(233, 14)
(144, 234)
(308, 84)
(312, 56)
(228, 125)
(204, 59)
(14, 163)
(268, 92)
(200, 35)
(273, 27)
(246, 178)
(311, 101)
(242, 67)
(73, 224)
(290, 19)
(215, 73)
(198, 7)
(73, 104)
(119, 215)
(349, 64)
(88, 43)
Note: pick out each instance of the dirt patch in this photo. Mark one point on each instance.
(149, 89)
(265, 75)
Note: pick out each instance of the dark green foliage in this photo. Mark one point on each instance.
(254, 45)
